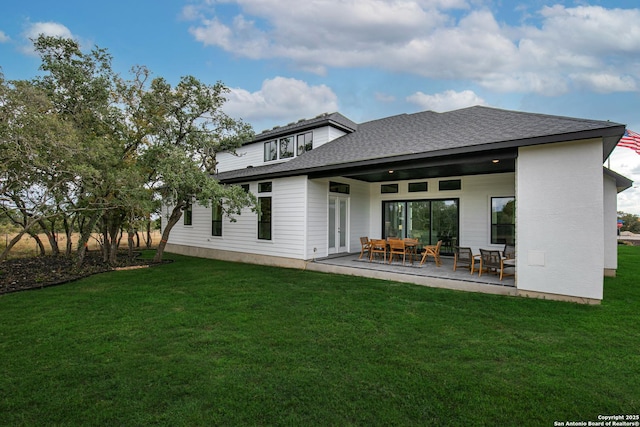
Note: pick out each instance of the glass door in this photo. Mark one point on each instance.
(338, 224)
(425, 220)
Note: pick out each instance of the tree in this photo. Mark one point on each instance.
(630, 222)
(186, 129)
(35, 150)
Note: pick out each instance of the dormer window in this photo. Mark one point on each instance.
(286, 147)
(305, 142)
(270, 151)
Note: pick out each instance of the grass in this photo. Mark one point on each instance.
(202, 342)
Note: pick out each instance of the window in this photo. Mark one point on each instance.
(503, 220)
(338, 187)
(305, 142)
(188, 214)
(270, 151)
(388, 188)
(286, 147)
(216, 219)
(245, 187)
(450, 185)
(416, 187)
(264, 218)
(264, 187)
(425, 220)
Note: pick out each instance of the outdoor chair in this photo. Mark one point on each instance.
(397, 247)
(464, 257)
(411, 246)
(434, 251)
(492, 262)
(509, 251)
(378, 247)
(365, 246)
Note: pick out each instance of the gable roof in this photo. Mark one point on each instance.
(430, 138)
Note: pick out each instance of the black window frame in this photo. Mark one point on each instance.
(450, 185)
(307, 145)
(286, 147)
(418, 187)
(187, 214)
(389, 188)
(216, 220)
(339, 187)
(265, 218)
(498, 228)
(272, 150)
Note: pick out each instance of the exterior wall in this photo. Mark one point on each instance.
(610, 226)
(253, 154)
(474, 205)
(560, 219)
(288, 230)
(318, 220)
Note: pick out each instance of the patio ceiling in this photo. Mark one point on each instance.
(471, 164)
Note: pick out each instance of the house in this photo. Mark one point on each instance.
(478, 177)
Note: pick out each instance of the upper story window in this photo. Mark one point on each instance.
(270, 151)
(305, 142)
(286, 147)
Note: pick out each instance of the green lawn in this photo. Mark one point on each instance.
(201, 342)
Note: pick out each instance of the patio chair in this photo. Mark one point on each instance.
(411, 246)
(397, 247)
(365, 246)
(509, 251)
(434, 251)
(464, 257)
(378, 247)
(492, 262)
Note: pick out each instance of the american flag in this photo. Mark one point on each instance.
(630, 139)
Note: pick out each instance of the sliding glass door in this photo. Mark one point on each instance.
(425, 220)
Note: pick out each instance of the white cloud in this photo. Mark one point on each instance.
(35, 29)
(446, 101)
(281, 99)
(585, 47)
(3, 37)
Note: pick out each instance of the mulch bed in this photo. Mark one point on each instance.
(33, 273)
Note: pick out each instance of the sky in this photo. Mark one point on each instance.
(286, 60)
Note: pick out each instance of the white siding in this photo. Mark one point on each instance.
(288, 224)
(253, 154)
(560, 219)
(247, 155)
(317, 219)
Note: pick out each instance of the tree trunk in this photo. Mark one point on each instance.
(84, 237)
(176, 214)
(148, 234)
(15, 240)
(41, 248)
(68, 231)
(51, 236)
(130, 234)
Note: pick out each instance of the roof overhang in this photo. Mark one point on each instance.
(622, 182)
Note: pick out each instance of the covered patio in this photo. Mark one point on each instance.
(426, 275)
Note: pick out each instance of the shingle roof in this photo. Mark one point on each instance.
(332, 119)
(430, 134)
